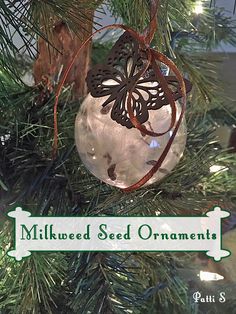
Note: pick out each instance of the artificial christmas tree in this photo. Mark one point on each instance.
(53, 182)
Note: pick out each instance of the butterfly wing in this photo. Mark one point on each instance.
(113, 78)
(104, 80)
(127, 58)
(154, 93)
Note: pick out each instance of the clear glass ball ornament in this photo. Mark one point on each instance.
(120, 156)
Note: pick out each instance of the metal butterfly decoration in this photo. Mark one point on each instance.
(116, 77)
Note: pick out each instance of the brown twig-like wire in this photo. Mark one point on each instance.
(68, 69)
(153, 56)
(150, 30)
(157, 56)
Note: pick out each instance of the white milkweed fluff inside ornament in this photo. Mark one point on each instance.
(109, 144)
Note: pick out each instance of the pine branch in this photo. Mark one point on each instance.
(33, 285)
(114, 283)
(216, 28)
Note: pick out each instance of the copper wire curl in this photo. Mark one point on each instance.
(144, 40)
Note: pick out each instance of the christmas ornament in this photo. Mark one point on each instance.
(130, 130)
(108, 144)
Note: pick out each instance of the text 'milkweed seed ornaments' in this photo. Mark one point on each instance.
(130, 129)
